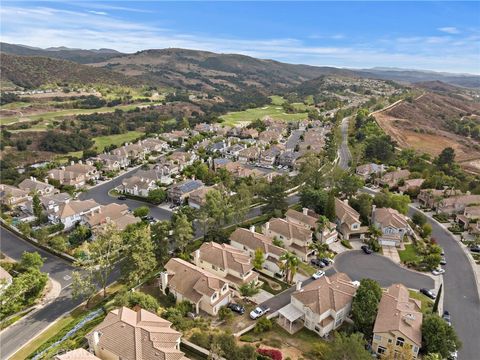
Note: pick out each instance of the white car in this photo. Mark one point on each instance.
(438, 271)
(259, 311)
(318, 274)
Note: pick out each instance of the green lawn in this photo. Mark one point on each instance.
(409, 254)
(277, 99)
(48, 116)
(274, 111)
(307, 269)
(427, 304)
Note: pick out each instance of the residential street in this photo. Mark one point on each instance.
(343, 151)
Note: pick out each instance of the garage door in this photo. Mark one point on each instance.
(387, 243)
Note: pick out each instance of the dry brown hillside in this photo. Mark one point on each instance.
(425, 124)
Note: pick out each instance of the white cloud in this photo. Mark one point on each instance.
(449, 30)
(98, 12)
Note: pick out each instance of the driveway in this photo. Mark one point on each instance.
(359, 266)
(100, 195)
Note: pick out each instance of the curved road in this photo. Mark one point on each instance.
(343, 151)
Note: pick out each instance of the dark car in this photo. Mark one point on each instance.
(447, 318)
(428, 293)
(475, 248)
(122, 197)
(236, 308)
(366, 249)
(318, 263)
(327, 261)
(443, 261)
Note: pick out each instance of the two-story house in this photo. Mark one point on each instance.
(137, 186)
(112, 162)
(392, 224)
(457, 204)
(321, 306)
(33, 186)
(178, 193)
(71, 212)
(11, 195)
(127, 334)
(367, 170)
(348, 221)
(113, 213)
(250, 154)
(227, 262)
(309, 219)
(296, 238)
(392, 179)
(198, 198)
(207, 292)
(249, 240)
(398, 323)
(469, 218)
(430, 198)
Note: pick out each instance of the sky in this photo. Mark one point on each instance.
(439, 36)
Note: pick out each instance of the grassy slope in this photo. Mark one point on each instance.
(275, 111)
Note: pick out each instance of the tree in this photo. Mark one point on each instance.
(375, 234)
(363, 204)
(432, 356)
(446, 158)
(365, 306)
(79, 235)
(432, 261)
(225, 314)
(58, 243)
(438, 336)
(31, 260)
(133, 298)
(139, 256)
(349, 184)
(160, 237)
(419, 219)
(426, 230)
(322, 224)
(141, 211)
(437, 300)
(83, 286)
(320, 248)
(103, 253)
(218, 207)
(343, 346)
(258, 259)
(315, 199)
(274, 195)
(264, 324)
(248, 289)
(330, 207)
(182, 231)
(37, 206)
(289, 264)
(157, 196)
(241, 202)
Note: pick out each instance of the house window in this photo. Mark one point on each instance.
(389, 341)
(400, 341)
(377, 337)
(317, 329)
(381, 350)
(214, 267)
(415, 349)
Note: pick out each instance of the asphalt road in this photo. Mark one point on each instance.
(343, 151)
(100, 195)
(359, 265)
(461, 297)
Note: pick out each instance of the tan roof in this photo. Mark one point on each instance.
(33, 185)
(138, 335)
(76, 207)
(77, 354)
(80, 168)
(7, 190)
(472, 211)
(254, 240)
(345, 212)
(461, 199)
(116, 213)
(309, 219)
(394, 176)
(398, 312)
(4, 274)
(390, 217)
(226, 257)
(413, 183)
(289, 230)
(327, 293)
(191, 281)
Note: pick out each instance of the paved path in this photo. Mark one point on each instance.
(343, 151)
(359, 265)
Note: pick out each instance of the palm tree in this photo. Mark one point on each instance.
(320, 248)
(289, 264)
(322, 223)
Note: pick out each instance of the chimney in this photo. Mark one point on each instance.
(409, 319)
(163, 281)
(96, 338)
(305, 211)
(80, 162)
(196, 257)
(267, 225)
(72, 162)
(252, 228)
(298, 286)
(374, 207)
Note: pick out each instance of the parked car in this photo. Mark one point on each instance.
(447, 318)
(475, 248)
(366, 249)
(318, 263)
(443, 261)
(438, 271)
(318, 274)
(236, 308)
(453, 356)
(327, 261)
(428, 293)
(122, 197)
(259, 311)
(443, 252)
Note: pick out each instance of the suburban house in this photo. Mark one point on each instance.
(295, 238)
(112, 162)
(178, 193)
(220, 163)
(153, 145)
(10, 195)
(268, 136)
(233, 151)
(69, 178)
(33, 186)
(367, 170)
(392, 179)
(72, 212)
(288, 158)
(115, 214)
(321, 306)
(130, 151)
(398, 323)
(76, 354)
(137, 186)
(469, 218)
(176, 135)
(392, 224)
(5, 279)
(206, 291)
(269, 157)
(50, 203)
(182, 158)
(431, 197)
(249, 240)
(248, 133)
(308, 219)
(198, 198)
(457, 204)
(227, 262)
(348, 221)
(250, 154)
(127, 334)
(411, 185)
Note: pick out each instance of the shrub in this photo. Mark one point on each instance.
(133, 298)
(271, 353)
(248, 338)
(58, 243)
(225, 314)
(263, 325)
(202, 339)
(346, 243)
